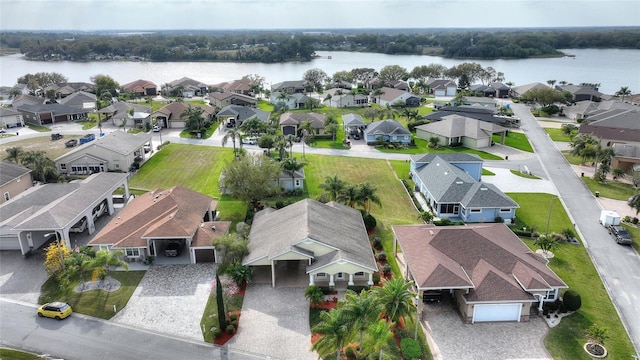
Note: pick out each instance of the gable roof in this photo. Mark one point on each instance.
(353, 120)
(616, 124)
(79, 99)
(522, 89)
(440, 83)
(474, 112)
(236, 85)
(138, 85)
(386, 127)
(222, 96)
(424, 159)
(296, 84)
(289, 118)
(455, 126)
(118, 142)
(176, 212)
(243, 113)
(24, 99)
(390, 94)
(332, 225)
(10, 171)
(488, 259)
(56, 109)
(175, 109)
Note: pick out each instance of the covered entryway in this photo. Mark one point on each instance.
(496, 312)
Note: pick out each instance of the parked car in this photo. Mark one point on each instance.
(147, 148)
(620, 234)
(56, 310)
(71, 143)
(250, 140)
(173, 248)
(156, 128)
(99, 210)
(56, 136)
(432, 296)
(87, 138)
(79, 226)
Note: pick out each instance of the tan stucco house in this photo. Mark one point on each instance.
(14, 179)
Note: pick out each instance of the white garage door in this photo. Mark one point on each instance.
(497, 312)
(9, 243)
(177, 124)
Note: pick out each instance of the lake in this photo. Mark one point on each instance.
(612, 68)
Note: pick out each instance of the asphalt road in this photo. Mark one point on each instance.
(96, 339)
(619, 266)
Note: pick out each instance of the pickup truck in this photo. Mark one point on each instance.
(87, 138)
(620, 234)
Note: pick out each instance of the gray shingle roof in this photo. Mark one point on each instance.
(386, 127)
(243, 113)
(352, 120)
(10, 171)
(333, 225)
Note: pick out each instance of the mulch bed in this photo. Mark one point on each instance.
(224, 337)
(326, 305)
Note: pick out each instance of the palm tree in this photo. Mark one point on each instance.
(396, 298)
(618, 173)
(41, 166)
(350, 196)
(584, 146)
(233, 134)
(551, 82)
(291, 165)
(194, 118)
(15, 154)
(333, 186)
(367, 195)
(378, 336)
(290, 139)
(339, 93)
(546, 242)
(334, 328)
(328, 98)
(106, 259)
(624, 92)
(283, 98)
(634, 202)
(307, 128)
(363, 310)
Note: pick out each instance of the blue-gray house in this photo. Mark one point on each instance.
(387, 130)
(451, 184)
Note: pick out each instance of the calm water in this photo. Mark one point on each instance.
(611, 68)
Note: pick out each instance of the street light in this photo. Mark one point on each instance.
(418, 313)
(59, 252)
(550, 210)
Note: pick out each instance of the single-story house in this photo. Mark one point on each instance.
(291, 101)
(237, 114)
(80, 100)
(339, 98)
(148, 223)
(584, 109)
(353, 122)
(617, 126)
(482, 90)
(626, 157)
(170, 115)
(116, 151)
(222, 99)
(291, 123)
(185, 87)
(51, 211)
(390, 97)
(476, 101)
(580, 92)
(451, 185)
(10, 118)
(242, 86)
(63, 90)
(120, 112)
(14, 179)
(387, 130)
(328, 241)
(442, 87)
(25, 99)
(456, 130)
(473, 112)
(377, 83)
(141, 88)
(291, 180)
(490, 274)
(518, 91)
(51, 113)
(502, 90)
(291, 87)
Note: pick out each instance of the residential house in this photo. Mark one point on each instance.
(47, 114)
(341, 84)
(222, 99)
(63, 90)
(141, 88)
(235, 115)
(502, 90)
(291, 87)
(626, 157)
(328, 243)
(451, 185)
(128, 114)
(518, 91)
(475, 101)
(482, 90)
(339, 98)
(455, 130)
(442, 87)
(392, 97)
(150, 222)
(291, 180)
(291, 101)
(23, 99)
(186, 88)
(51, 211)
(388, 131)
(80, 100)
(489, 273)
(291, 123)
(353, 122)
(481, 113)
(14, 179)
(581, 92)
(170, 115)
(242, 86)
(116, 151)
(377, 83)
(10, 118)
(583, 109)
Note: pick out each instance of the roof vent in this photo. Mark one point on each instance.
(459, 182)
(431, 232)
(483, 189)
(213, 227)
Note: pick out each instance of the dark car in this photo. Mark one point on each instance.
(71, 143)
(173, 248)
(620, 234)
(432, 296)
(56, 136)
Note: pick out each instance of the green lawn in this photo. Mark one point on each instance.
(573, 264)
(421, 147)
(634, 231)
(521, 174)
(557, 135)
(96, 303)
(515, 140)
(486, 172)
(9, 354)
(572, 159)
(610, 189)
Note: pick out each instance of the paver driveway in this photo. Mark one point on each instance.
(491, 341)
(170, 299)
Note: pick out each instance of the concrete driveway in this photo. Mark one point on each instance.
(504, 340)
(20, 278)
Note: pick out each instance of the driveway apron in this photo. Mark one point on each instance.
(274, 323)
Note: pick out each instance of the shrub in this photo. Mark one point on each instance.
(626, 219)
(217, 332)
(377, 243)
(376, 278)
(235, 323)
(279, 204)
(410, 349)
(571, 300)
(357, 289)
(443, 222)
(635, 221)
(369, 222)
(230, 329)
(386, 269)
(233, 317)
(382, 256)
(314, 294)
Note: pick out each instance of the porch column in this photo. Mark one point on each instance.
(370, 282)
(273, 273)
(331, 282)
(351, 279)
(311, 280)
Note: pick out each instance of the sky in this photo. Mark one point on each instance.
(88, 15)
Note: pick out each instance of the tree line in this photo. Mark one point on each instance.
(283, 46)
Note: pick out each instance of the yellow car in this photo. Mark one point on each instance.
(56, 310)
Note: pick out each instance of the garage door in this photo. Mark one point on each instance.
(177, 124)
(9, 243)
(497, 312)
(205, 256)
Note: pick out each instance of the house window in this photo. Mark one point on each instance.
(340, 276)
(63, 166)
(505, 210)
(449, 208)
(359, 274)
(132, 252)
(551, 295)
(321, 275)
(7, 196)
(297, 182)
(476, 211)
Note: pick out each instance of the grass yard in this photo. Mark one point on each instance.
(96, 303)
(634, 231)
(486, 172)
(10, 354)
(572, 159)
(421, 147)
(515, 140)
(52, 148)
(610, 189)
(557, 135)
(521, 174)
(573, 264)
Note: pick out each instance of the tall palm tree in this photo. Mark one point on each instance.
(194, 118)
(15, 154)
(378, 336)
(396, 298)
(291, 165)
(585, 146)
(334, 328)
(362, 310)
(333, 186)
(42, 168)
(232, 134)
(367, 195)
(290, 139)
(283, 98)
(350, 196)
(339, 93)
(307, 129)
(634, 202)
(624, 92)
